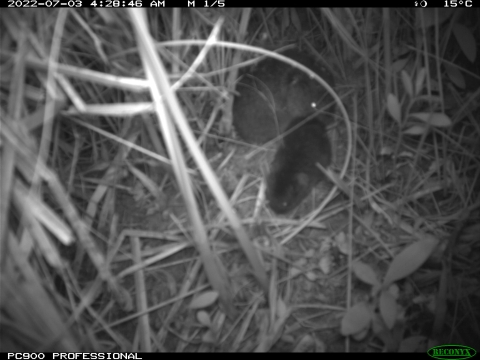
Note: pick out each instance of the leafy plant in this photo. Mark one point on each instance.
(382, 312)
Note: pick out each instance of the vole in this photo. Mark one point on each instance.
(272, 93)
(293, 172)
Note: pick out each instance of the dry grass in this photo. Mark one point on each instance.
(108, 245)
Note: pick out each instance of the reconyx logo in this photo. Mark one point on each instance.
(451, 352)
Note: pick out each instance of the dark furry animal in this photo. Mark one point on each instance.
(293, 172)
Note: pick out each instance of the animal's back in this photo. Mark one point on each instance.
(273, 93)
